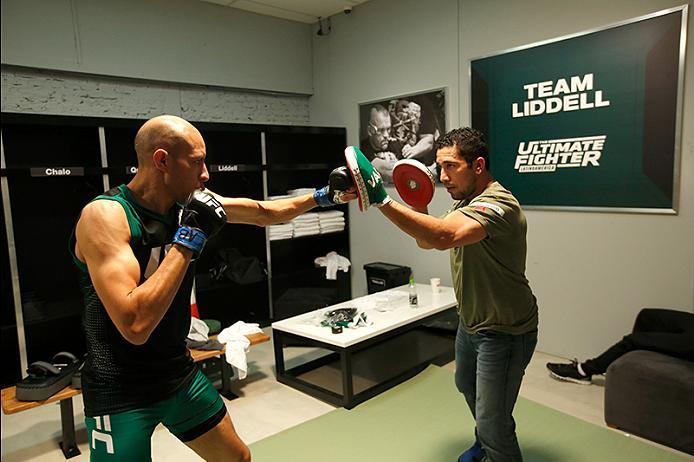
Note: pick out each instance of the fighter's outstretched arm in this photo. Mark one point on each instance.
(264, 213)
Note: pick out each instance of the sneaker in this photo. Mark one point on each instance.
(476, 453)
(568, 373)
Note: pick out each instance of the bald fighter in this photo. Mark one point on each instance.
(133, 247)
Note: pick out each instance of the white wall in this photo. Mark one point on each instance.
(386, 48)
(591, 272)
(185, 41)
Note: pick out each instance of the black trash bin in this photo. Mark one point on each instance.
(381, 276)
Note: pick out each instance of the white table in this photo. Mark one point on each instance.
(365, 361)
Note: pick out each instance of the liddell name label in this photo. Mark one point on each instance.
(224, 168)
(548, 155)
(577, 93)
(56, 171)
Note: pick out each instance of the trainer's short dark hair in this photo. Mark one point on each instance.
(469, 143)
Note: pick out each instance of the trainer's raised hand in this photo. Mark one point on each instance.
(367, 179)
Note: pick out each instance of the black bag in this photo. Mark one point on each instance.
(235, 267)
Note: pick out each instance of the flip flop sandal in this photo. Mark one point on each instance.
(45, 379)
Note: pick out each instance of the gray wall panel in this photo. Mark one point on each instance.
(591, 272)
(184, 41)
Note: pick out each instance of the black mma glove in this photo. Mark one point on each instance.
(202, 218)
(339, 181)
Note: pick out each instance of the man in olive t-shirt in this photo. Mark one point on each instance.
(489, 276)
(486, 233)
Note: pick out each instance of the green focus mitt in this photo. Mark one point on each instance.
(370, 189)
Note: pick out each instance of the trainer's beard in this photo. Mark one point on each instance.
(463, 195)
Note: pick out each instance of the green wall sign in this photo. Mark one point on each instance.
(590, 121)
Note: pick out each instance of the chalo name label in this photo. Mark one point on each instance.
(56, 171)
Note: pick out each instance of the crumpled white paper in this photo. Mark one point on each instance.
(237, 344)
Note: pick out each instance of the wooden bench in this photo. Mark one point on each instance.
(10, 404)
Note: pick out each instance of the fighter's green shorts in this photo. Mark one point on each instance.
(126, 436)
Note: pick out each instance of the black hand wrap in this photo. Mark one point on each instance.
(202, 218)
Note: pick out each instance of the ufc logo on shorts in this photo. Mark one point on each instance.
(102, 433)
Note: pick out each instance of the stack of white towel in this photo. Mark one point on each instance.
(331, 221)
(306, 225)
(284, 231)
(301, 191)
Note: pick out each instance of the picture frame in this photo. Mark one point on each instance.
(589, 121)
(402, 127)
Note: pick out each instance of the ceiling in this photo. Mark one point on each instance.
(307, 11)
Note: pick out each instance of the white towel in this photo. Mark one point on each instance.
(333, 262)
(306, 217)
(334, 221)
(301, 191)
(234, 337)
(331, 214)
(299, 226)
(310, 232)
(281, 231)
(332, 229)
(306, 226)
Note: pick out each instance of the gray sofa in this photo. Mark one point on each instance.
(652, 395)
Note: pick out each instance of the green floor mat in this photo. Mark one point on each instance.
(426, 420)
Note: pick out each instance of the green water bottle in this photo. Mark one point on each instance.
(413, 292)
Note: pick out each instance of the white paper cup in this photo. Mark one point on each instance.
(435, 285)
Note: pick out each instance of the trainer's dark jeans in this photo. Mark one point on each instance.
(489, 369)
(664, 331)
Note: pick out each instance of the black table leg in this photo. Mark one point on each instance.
(67, 420)
(279, 353)
(347, 384)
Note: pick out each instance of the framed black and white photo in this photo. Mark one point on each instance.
(402, 127)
